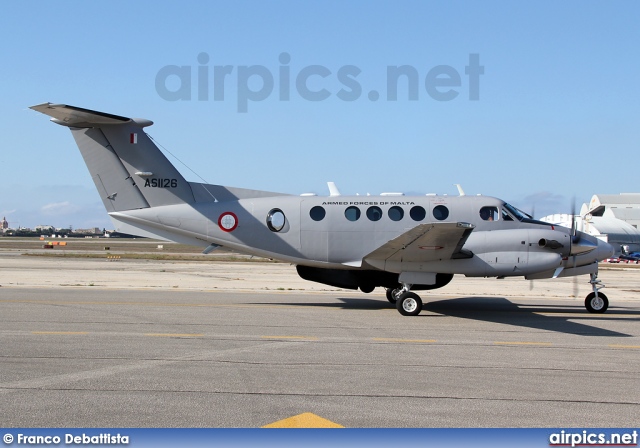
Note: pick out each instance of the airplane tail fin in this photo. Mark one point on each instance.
(128, 169)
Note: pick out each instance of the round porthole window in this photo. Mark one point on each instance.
(396, 213)
(374, 213)
(276, 220)
(440, 212)
(417, 213)
(352, 213)
(317, 213)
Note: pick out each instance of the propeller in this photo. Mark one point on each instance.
(574, 240)
(578, 244)
(533, 216)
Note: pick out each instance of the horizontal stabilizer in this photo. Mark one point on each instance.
(78, 117)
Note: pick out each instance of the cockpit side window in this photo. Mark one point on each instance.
(506, 216)
(513, 212)
(489, 213)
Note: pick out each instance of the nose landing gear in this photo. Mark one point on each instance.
(596, 302)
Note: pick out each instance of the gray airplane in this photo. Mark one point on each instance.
(401, 243)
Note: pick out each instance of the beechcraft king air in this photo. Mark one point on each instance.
(401, 243)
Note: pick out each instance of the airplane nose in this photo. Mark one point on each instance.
(582, 243)
(605, 250)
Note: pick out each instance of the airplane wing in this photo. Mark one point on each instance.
(426, 242)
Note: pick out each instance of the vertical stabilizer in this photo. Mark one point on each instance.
(128, 169)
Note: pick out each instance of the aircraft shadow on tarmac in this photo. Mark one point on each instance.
(502, 311)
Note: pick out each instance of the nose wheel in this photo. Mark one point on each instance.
(596, 302)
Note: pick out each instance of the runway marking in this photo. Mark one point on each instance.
(522, 343)
(405, 340)
(175, 335)
(624, 346)
(60, 332)
(308, 338)
(305, 420)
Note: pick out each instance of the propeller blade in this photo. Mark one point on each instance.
(575, 244)
(578, 245)
(573, 217)
(575, 279)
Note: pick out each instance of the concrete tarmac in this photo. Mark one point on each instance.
(93, 343)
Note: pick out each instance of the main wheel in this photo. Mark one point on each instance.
(409, 304)
(597, 304)
(393, 294)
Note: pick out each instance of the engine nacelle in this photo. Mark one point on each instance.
(551, 244)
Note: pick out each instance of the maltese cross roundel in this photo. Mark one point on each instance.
(228, 221)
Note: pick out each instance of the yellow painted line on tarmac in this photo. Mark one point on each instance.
(624, 346)
(405, 340)
(175, 335)
(522, 343)
(308, 338)
(60, 332)
(306, 420)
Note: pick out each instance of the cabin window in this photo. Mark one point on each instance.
(317, 213)
(276, 220)
(417, 213)
(374, 213)
(352, 213)
(396, 213)
(489, 213)
(440, 212)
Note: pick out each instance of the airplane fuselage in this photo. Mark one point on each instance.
(339, 232)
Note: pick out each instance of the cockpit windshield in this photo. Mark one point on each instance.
(516, 213)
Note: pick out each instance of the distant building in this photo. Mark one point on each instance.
(623, 206)
(4, 225)
(92, 231)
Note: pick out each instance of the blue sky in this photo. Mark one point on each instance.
(556, 118)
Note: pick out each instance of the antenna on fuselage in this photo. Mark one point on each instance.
(460, 190)
(333, 190)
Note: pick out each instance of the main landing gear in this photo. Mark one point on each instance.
(393, 294)
(407, 303)
(596, 302)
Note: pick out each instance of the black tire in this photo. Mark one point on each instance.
(409, 304)
(392, 295)
(596, 305)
